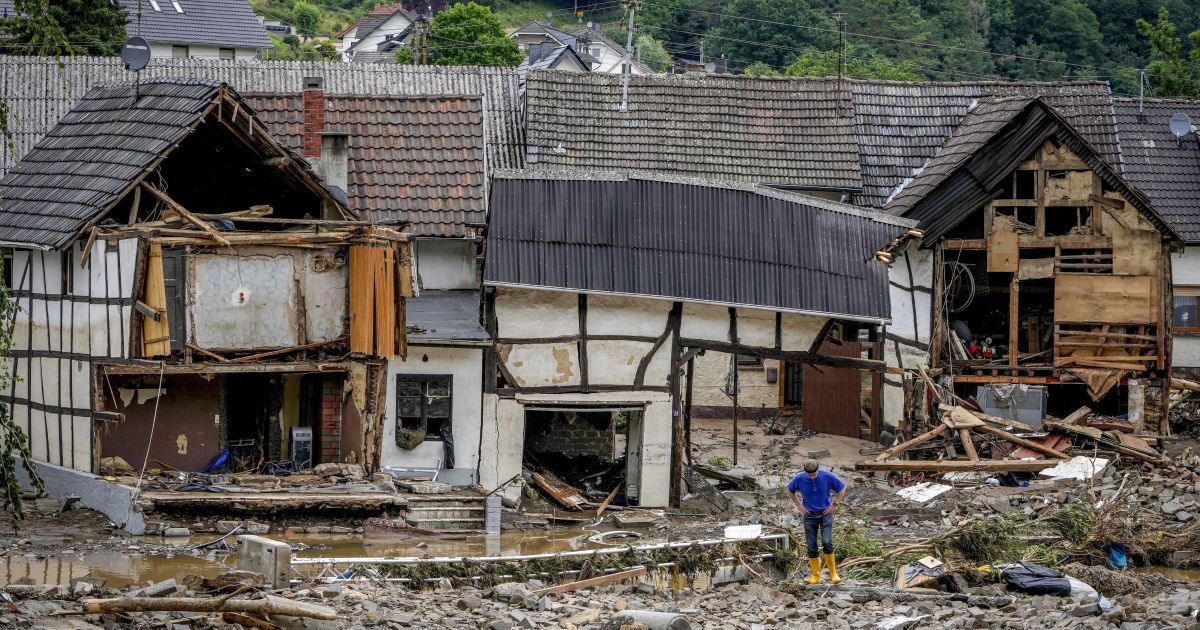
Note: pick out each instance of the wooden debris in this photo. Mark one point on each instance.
(178, 209)
(1077, 416)
(953, 465)
(596, 581)
(269, 604)
(1029, 444)
(609, 499)
(559, 490)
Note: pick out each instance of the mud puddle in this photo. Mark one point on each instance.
(1187, 575)
(121, 569)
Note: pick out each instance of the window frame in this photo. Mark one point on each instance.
(424, 380)
(231, 51)
(175, 49)
(1191, 292)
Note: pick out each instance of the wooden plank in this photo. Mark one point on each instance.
(994, 465)
(1135, 252)
(968, 445)
(1019, 441)
(1104, 298)
(1003, 254)
(609, 499)
(1014, 320)
(560, 491)
(362, 298)
(924, 437)
(1034, 268)
(385, 302)
(175, 207)
(156, 334)
(596, 581)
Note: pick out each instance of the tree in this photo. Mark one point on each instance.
(97, 27)
(682, 23)
(812, 64)
(468, 34)
(1169, 72)
(307, 17)
(652, 53)
(771, 31)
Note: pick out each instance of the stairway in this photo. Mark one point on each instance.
(445, 513)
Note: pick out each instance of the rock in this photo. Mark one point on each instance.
(1183, 516)
(511, 592)
(498, 624)
(1086, 609)
(330, 591)
(470, 602)
(161, 589)
(337, 529)
(177, 532)
(1170, 507)
(422, 486)
(248, 527)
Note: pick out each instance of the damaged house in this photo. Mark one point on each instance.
(1049, 274)
(419, 160)
(601, 289)
(190, 293)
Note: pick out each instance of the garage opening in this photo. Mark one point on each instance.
(593, 450)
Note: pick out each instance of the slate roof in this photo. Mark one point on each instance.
(444, 316)
(900, 125)
(595, 35)
(979, 126)
(93, 154)
(419, 158)
(769, 131)
(992, 140)
(540, 28)
(687, 239)
(226, 23)
(376, 18)
(1164, 167)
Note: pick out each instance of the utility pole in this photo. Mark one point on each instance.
(633, 5)
(840, 20)
(416, 40)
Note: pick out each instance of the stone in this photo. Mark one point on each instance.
(331, 591)
(512, 592)
(248, 527)
(1170, 507)
(177, 532)
(469, 602)
(337, 529)
(1086, 609)
(422, 486)
(498, 624)
(1183, 516)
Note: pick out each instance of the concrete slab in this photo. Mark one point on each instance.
(110, 499)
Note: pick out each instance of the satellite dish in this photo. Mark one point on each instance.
(135, 53)
(1181, 125)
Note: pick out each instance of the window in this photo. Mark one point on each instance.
(180, 52)
(1186, 318)
(748, 361)
(154, 5)
(227, 54)
(178, 9)
(423, 403)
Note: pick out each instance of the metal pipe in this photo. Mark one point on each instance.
(537, 556)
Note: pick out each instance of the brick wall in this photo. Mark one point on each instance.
(314, 121)
(330, 439)
(589, 434)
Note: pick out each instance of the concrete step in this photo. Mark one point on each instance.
(456, 512)
(447, 524)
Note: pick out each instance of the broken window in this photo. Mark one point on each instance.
(1068, 221)
(423, 404)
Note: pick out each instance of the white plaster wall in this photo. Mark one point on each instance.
(911, 317)
(502, 443)
(465, 365)
(756, 327)
(266, 319)
(799, 332)
(198, 51)
(541, 364)
(393, 26)
(619, 315)
(530, 313)
(446, 264)
(754, 392)
(1185, 271)
(705, 321)
(615, 362)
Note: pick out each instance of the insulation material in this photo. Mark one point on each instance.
(242, 302)
(156, 334)
(533, 314)
(1035, 268)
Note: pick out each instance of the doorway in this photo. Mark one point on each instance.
(595, 450)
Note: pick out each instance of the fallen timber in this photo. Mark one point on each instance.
(955, 465)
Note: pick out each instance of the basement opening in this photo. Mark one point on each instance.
(593, 450)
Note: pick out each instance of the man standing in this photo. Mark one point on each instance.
(817, 508)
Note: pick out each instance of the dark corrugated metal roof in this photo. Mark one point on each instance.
(690, 240)
(444, 316)
(1164, 167)
(762, 131)
(417, 158)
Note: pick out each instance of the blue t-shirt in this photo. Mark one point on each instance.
(815, 492)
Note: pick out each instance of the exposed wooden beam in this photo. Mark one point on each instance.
(995, 465)
(187, 216)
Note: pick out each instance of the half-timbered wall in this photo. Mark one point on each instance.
(906, 339)
(67, 318)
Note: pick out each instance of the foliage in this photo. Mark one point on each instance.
(986, 541)
(720, 462)
(765, 37)
(653, 53)
(468, 34)
(96, 27)
(855, 541)
(290, 48)
(1074, 522)
(826, 65)
(306, 17)
(1169, 71)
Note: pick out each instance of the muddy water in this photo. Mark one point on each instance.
(124, 569)
(1188, 575)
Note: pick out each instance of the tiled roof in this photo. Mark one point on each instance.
(377, 18)
(595, 35)
(93, 154)
(228, 23)
(1164, 167)
(901, 125)
(768, 131)
(541, 28)
(686, 239)
(979, 126)
(417, 158)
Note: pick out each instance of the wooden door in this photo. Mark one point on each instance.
(831, 395)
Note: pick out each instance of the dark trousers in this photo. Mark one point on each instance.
(823, 522)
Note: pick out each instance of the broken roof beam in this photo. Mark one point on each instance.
(954, 465)
(187, 216)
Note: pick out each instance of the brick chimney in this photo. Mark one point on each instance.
(314, 115)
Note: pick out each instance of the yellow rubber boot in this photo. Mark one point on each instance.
(814, 565)
(831, 563)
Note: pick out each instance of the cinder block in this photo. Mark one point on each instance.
(271, 558)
